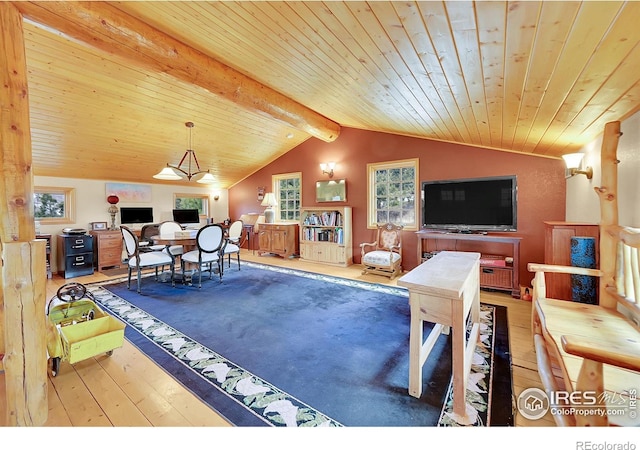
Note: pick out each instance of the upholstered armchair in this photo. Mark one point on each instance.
(384, 255)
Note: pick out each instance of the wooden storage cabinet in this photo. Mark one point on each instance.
(278, 238)
(499, 260)
(108, 249)
(75, 255)
(47, 237)
(557, 251)
(325, 235)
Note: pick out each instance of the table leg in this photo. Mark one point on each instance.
(458, 338)
(415, 346)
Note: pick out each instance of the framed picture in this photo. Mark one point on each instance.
(129, 192)
(98, 226)
(331, 191)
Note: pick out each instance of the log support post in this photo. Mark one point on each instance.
(22, 292)
(608, 194)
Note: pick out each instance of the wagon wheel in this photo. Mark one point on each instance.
(71, 292)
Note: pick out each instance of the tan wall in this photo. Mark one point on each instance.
(583, 204)
(541, 183)
(92, 206)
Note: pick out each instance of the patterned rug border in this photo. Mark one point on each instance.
(262, 399)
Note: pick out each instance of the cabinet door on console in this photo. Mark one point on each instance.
(264, 240)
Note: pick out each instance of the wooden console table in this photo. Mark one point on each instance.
(444, 290)
(493, 248)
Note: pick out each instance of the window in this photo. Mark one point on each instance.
(54, 205)
(391, 193)
(288, 190)
(192, 201)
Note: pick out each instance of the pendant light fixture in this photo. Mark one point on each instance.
(178, 173)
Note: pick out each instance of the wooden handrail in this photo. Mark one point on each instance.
(553, 268)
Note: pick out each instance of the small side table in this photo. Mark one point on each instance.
(248, 230)
(444, 290)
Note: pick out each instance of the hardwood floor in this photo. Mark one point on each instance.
(129, 390)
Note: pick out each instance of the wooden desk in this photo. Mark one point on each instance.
(444, 290)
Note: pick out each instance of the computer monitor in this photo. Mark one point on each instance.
(136, 215)
(186, 216)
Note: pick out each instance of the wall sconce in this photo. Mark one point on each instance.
(573, 162)
(216, 197)
(330, 166)
(269, 201)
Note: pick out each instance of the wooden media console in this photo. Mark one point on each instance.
(499, 260)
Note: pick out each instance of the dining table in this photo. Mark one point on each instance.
(188, 244)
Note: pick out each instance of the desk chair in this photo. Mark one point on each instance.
(141, 260)
(148, 230)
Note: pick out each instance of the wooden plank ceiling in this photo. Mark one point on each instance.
(532, 77)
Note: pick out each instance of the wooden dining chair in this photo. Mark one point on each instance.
(141, 260)
(169, 228)
(234, 241)
(210, 242)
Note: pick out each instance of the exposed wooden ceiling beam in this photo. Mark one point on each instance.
(109, 29)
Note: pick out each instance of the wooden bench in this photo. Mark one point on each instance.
(594, 350)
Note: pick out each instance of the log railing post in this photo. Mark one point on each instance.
(608, 192)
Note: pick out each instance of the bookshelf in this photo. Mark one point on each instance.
(325, 235)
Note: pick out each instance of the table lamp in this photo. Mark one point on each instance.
(113, 210)
(269, 201)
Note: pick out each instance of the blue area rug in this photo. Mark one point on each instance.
(280, 347)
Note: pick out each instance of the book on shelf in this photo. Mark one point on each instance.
(324, 235)
(324, 219)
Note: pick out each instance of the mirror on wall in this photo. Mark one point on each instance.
(331, 191)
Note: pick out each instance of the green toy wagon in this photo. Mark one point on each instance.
(78, 329)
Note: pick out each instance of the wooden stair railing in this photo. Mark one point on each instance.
(595, 348)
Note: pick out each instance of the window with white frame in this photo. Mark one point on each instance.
(53, 205)
(287, 188)
(392, 193)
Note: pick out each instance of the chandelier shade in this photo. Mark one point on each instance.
(168, 173)
(175, 173)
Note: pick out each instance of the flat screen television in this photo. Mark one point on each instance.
(186, 216)
(471, 205)
(136, 215)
